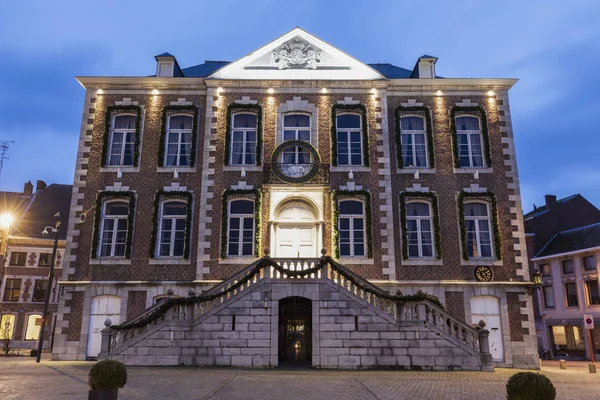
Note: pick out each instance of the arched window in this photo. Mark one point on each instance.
(351, 228)
(478, 229)
(414, 141)
(349, 139)
(34, 322)
(296, 127)
(122, 140)
(178, 146)
(240, 230)
(113, 228)
(172, 223)
(470, 141)
(419, 229)
(243, 139)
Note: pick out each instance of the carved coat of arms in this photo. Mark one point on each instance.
(297, 54)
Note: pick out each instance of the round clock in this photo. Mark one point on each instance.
(484, 274)
(295, 161)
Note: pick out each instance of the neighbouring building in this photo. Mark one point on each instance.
(217, 187)
(563, 242)
(27, 255)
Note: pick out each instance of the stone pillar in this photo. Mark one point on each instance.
(484, 348)
(105, 343)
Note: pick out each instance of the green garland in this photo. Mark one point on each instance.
(432, 197)
(138, 131)
(163, 131)
(130, 217)
(224, 217)
(276, 168)
(463, 229)
(231, 108)
(484, 132)
(365, 131)
(428, 132)
(253, 270)
(335, 195)
(160, 195)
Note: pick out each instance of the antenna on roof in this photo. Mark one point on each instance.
(3, 150)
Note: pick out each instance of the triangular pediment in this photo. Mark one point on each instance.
(297, 55)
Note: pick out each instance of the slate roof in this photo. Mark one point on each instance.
(13, 203)
(46, 203)
(543, 209)
(581, 238)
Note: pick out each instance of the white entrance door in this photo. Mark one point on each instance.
(487, 308)
(296, 241)
(103, 307)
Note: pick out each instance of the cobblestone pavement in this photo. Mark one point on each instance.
(21, 378)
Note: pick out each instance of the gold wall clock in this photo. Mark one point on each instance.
(484, 274)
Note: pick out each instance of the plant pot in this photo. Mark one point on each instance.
(110, 394)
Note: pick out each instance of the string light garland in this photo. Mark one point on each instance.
(422, 111)
(110, 111)
(190, 110)
(432, 198)
(366, 196)
(164, 195)
(459, 111)
(100, 198)
(253, 108)
(358, 108)
(486, 196)
(255, 194)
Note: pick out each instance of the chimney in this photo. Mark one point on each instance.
(551, 201)
(28, 189)
(40, 185)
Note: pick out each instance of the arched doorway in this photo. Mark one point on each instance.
(102, 307)
(487, 308)
(296, 231)
(295, 330)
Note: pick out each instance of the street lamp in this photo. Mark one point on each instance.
(536, 283)
(5, 220)
(45, 232)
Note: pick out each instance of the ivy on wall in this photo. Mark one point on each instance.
(335, 197)
(255, 193)
(489, 197)
(484, 132)
(164, 195)
(100, 198)
(190, 110)
(362, 110)
(110, 111)
(425, 112)
(255, 108)
(432, 198)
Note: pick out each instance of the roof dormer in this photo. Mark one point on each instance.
(167, 66)
(425, 67)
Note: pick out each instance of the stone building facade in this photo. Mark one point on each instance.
(405, 179)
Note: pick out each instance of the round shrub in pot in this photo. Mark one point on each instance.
(105, 379)
(530, 386)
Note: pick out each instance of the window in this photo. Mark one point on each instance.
(113, 229)
(12, 292)
(173, 218)
(470, 143)
(18, 258)
(45, 259)
(296, 127)
(548, 297)
(477, 224)
(178, 147)
(419, 230)
(243, 139)
(39, 290)
(546, 270)
(589, 263)
(34, 323)
(592, 292)
(240, 232)
(571, 294)
(351, 227)
(122, 140)
(414, 142)
(568, 267)
(349, 140)
(7, 326)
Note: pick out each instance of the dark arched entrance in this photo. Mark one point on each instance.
(295, 330)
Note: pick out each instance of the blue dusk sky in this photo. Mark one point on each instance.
(553, 47)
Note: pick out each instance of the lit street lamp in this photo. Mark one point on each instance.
(6, 220)
(45, 232)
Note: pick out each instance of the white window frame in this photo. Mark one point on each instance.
(125, 132)
(353, 217)
(244, 138)
(296, 129)
(174, 219)
(470, 146)
(103, 219)
(240, 242)
(478, 230)
(349, 131)
(412, 133)
(419, 231)
(179, 132)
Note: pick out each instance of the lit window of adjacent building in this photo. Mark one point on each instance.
(414, 141)
(12, 290)
(349, 140)
(419, 229)
(571, 295)
(548, 297)
(546, 270)
(470, 141)
(113, 228)
(122, 140)
(589, 263)
(34, 322)
(18, 258)
(243, 139)
(39, 290)
(568, 267)
(478, 229)
(173, 218)
(351, 228)
(7, 326)
(240, 230)
(592, 292)
(178, 146)
(45, 259)
(296, 127)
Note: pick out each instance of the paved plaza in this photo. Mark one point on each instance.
(22, 379)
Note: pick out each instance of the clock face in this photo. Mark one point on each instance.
(295, 161)
(484, 274)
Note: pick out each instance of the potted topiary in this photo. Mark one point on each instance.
(105, 379)
(530, 386)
